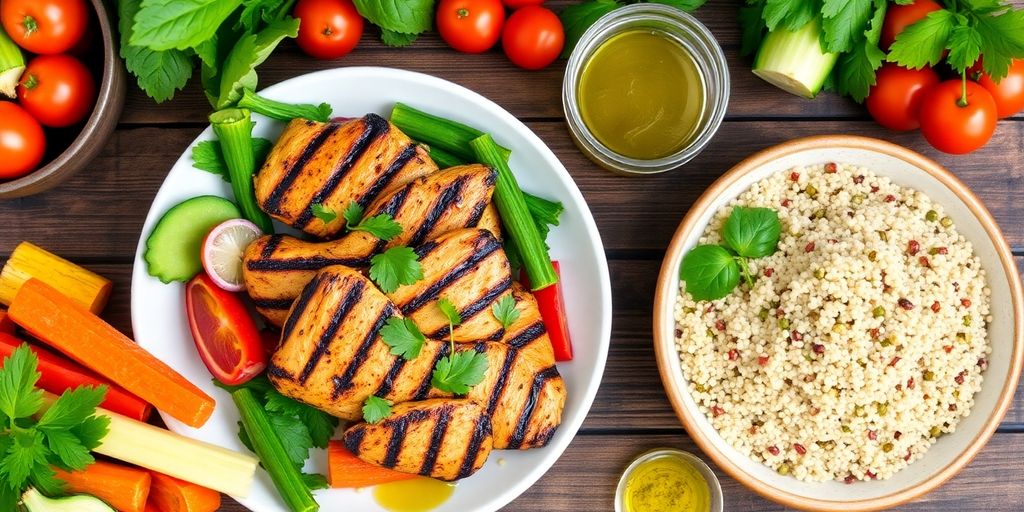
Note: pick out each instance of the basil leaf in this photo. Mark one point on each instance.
(159, 73)
(402, 16)
(710, 272)
(239, 70)
(179, 24)
(397, 39)
(579, 17)
(752, 232)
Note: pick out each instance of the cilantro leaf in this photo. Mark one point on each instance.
(23, 455)
(376, 409)
(394, 267)
(325, 214)
(353, 214)
(577, 18)
(843, 23)
(382, 226)
(789, 14)
(923, 43)
(458, 372)
(72, 407)
(752, 25)
(69, 450)
(505, 311)
(397, 39)
(321, 425)
(964, 47)
(158, 73)
(403, 336)
(209, 156)
(314, 481)
(294, 437)
(167, 24)
(402, 16)
(450, 312)
(18, 377)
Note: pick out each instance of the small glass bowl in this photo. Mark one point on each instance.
(717, 501)
(686, 31)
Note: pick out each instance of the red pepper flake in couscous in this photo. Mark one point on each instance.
(856, 296)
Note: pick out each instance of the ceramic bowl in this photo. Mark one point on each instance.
(952, 451)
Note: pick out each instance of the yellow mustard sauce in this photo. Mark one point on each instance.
(415, 495)
(666, 484)
(642, 95)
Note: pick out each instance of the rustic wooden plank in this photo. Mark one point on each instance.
(100, 211)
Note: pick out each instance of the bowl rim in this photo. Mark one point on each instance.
(665, 346)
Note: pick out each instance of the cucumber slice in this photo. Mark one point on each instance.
(36, 502)
(174, 247)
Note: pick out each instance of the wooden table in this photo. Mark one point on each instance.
(95, 220)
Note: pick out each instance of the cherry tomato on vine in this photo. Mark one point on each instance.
(470, 26)
(899, 17)
(516, 4)
(1008, 92)
(22, 143)
(895, 99)
(58, 90)
(952, 125)
(44, 26)
(328, 29)
(533, 37)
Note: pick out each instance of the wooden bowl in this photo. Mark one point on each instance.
(98, 126)
(1006, 332)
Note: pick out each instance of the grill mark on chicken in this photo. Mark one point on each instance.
(436, 438)
(539, 380)
(389, 174)
(534, 331)
(478, 212)
(476, 307)
(481, 252)
(374, 127)
(273, 203)
(343, 382)
(353, 439)
(449, 196)
(272, 243)
(279, 372)
(300, 306)
(346, 305)
(544, 437)
(424, 390)
(272, 303)
(480, 431)
(313, 263)
(499, 385)
(391, 208)
(389, 379)
(398, 428)
(425, 249)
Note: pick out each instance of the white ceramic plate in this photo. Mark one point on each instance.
(951, 452)
(158, 315)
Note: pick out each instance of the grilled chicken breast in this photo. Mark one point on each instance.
(443, 438)
(333, 164)
(275, 268)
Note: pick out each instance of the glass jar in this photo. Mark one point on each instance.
(685, 30)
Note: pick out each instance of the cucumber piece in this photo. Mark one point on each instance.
(173, 248)
(36, 502)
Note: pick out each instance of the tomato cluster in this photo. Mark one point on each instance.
(956, 116)
(532, 36)
(56, 89)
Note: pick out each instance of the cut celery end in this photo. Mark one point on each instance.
(795, 61)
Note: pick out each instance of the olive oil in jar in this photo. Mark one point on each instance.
(666, 483)
(414, 495)
(642, 95)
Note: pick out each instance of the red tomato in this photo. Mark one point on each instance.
(329, 28)
(470, 26)
(533, 37)
(44, 26)
(895, 99)
(899, 17)
(225, 335)
(955, 128)
(516, 4)
(1009, 92)
(57, 90)
(21, 141)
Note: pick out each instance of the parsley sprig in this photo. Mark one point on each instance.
(505, 311)
(403, 336)
(376, 409)
(459, 371)
(382, 226)
(62, 436)
(712, 271)
(395, 267)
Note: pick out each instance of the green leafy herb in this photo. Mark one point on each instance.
(403, 336)
(325, 214)
(159, 73)
(505, 311)
(458, 372)
(208, 156)
(239, 69)
(284, 111)
(400, 21)
(63, 436)
(752, 26)
(449, 311)
(173, 24)
(397, 39)
(923, 43)
(844, 22)
(577, 18)
(376, 409)
(710, 272)
(382, 226)
(752, 232)
(789, 14)
(395, 267)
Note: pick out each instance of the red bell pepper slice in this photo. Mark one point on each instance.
(225, 334)
(552, 310)
(58, 375)
(6, 324)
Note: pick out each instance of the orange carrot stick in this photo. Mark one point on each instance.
(69, 327)
(169, 494)
(6, 324)
(346, 470)
(123, 488)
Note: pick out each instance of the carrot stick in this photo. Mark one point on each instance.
(123, 488)
(58, 375)
(346, 470)
(67, 326)
(6, 324)
(169, 494)
(150, 507)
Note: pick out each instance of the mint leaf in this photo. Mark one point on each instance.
(403, 336)
(505, 311)
(325, 214)
(18, 377)
(843, 23)
(710, 272)
(397, 39)
(376, 409)
(158, 73)
(239, 69)
(459, 372)
(964, 47)
(789, 14)
(72, 407)
(923, 43)
(752, 26)
(209, 156)
(577, 18)
(402, 16)
(179, 24)
(450, 312)
(394, 267)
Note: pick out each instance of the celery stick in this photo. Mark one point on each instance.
(442, 158)
(284, 111)
(234, 129)
(434, 131)
(12, 65)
